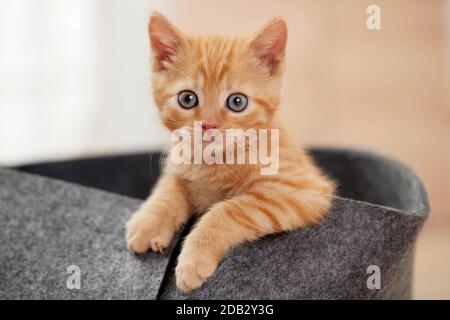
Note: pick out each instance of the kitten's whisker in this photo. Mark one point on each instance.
(150, 155)
(160, 162)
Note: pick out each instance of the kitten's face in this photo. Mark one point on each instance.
(222, 82)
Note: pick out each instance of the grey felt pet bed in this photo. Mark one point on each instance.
(47, 225)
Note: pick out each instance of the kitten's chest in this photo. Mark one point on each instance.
(207, 185)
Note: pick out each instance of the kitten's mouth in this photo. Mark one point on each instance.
(208, 135)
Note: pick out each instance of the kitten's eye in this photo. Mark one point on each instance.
(237, 102)
(187, 99)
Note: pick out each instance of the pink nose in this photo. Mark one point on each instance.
(207, 126)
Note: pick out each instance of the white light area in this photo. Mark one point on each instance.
(74, 79)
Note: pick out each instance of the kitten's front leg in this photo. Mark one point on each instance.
(153, 225)
(247, 217)
(222, 227)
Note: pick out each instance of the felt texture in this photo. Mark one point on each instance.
(47, 225)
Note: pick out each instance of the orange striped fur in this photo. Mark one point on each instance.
(235, 203)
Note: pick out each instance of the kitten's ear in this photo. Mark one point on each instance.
(166, 41)
(269, 43)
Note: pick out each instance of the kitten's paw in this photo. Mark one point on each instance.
(193, 269)
(146, 231)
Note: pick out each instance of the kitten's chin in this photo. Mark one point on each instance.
(216, 145)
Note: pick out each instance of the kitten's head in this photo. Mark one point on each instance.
(222, 82)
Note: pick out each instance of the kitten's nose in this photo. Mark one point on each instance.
(207, 126)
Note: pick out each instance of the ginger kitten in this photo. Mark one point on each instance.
(224, 83)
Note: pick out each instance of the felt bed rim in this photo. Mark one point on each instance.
(422, 210)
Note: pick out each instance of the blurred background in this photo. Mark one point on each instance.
(74, 81)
